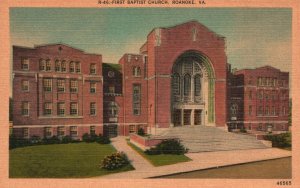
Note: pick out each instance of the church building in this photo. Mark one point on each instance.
(180, 77)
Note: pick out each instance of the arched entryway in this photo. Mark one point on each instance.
(192, 93)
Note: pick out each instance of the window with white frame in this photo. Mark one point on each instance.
(48, 108)
(25, 108)
(93, 68)
(73, 86)
(267, 111)
(73, 108)
(92, 108)
(25, 132)
(63, 66)
(25, 85)
(92, 130)
(61, 85)
(136, 71)
(132, 129)
(47, 84)
(73, 131)
(78, 67)
(48, 65)
(61, 108)
(61, 131)
(25, 64)
(92, 87)
(48, 131)
(72, 67)
(57, 66)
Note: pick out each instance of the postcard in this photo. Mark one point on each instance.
(149, 93)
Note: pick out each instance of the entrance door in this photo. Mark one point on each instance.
(197, 117)
(110, 130)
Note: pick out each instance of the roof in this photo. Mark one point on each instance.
(193, 21)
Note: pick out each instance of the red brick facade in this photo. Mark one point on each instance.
(181, 77)
(37, 105)
(261, 96)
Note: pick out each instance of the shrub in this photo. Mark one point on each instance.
(66, 139)
(51, 140)
(280, 140)
(172, 146)
(89, 137)
(153, 151)
(86, 137)
(115, 161)
(102, 139)
(35, 140)
(15, 142)
(141, 132)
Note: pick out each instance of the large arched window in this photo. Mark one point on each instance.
(176, 84)
(197, 85)
(187, 84)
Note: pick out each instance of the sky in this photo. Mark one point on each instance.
(254, 36)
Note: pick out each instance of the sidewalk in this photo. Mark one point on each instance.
(199, 161)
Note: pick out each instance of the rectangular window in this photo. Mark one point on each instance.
(267, 112)
(92, 87)
(47, 108)
(61, 84)
(60, 131)
(92, 108)
(25, 64)
(63, 66)
(73, 86)
(47, 84)
(136, 98)
(61, 109)
(92, 130)
(73, 131)
(57, 66)
(273, 112)
(78, 69)
(25, 108)
(72, 67)
(93, 68)
(48, 131)
(48, 65)
(111, 89)
(25, 133)
(25, 85)
(73, 108)
(132, 129)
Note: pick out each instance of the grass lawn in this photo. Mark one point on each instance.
(162, 159)
(60, 161)
(270, 169)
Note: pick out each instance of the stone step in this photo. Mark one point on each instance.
(202, 139)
